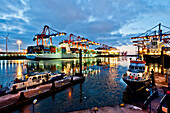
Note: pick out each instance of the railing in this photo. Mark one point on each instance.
(159, 107)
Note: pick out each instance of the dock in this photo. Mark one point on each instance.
(12, 55)
(10, 102)
(133, 107)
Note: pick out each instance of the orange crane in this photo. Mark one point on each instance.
(45, 35)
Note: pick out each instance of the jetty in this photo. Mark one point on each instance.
(10, 101)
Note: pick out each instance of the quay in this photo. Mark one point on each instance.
(10, 102)
(12, 55)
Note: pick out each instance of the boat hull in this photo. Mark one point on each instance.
(56, 56)
(136, 85)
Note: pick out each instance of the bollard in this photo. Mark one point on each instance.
(14, 90)
(53, 85)
(80, 60)
(71, 79)
(21, 97)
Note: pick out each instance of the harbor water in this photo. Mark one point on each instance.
(103, 84)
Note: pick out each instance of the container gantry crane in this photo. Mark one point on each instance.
(45, 36)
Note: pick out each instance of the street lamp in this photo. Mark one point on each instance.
(19, 42)
(34, 102)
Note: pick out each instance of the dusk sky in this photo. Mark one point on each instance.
(110, 22)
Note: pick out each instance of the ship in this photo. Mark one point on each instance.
(53, 52)
(137, 76)
(153, 45)
(68, 48)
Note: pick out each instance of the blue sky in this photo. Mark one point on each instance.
(111, 22)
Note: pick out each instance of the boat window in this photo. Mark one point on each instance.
(140, 68)
(34, 78)
(42, 76)
(143, 68)
(136, 67)
(132, 67)
(39, 77)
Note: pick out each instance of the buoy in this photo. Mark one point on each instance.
(168, 92)
(62, 83)
(131, 76)
(39, 92)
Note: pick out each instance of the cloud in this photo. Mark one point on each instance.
(16, 11)
(105, 21)
(5, 27)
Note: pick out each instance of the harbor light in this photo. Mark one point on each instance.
(19, 42)
(34, 102)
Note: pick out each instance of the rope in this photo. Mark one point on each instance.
(166, 27)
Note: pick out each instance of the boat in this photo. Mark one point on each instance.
(57, 76)
(153, 45)
(137, 76)
(33, 79)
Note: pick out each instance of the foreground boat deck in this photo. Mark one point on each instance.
(11, 101)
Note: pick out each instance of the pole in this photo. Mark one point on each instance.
(138, 50)
(162, 62)
(80, 59)
(19, 47)
(33, 108)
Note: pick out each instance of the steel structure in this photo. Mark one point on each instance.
(45, 36)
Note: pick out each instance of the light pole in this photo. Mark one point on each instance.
(19, 42)
(34, 102)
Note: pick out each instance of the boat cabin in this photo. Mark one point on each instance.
(136, 69)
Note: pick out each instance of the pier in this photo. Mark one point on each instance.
(11, 101)
(12, 55)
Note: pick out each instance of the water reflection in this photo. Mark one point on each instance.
(103, 85)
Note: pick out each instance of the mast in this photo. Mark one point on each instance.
(160, 32)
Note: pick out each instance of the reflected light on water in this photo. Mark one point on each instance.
(5, 65)
(70, 94)
(19, 71)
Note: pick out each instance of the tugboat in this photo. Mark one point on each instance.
(137, 76)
